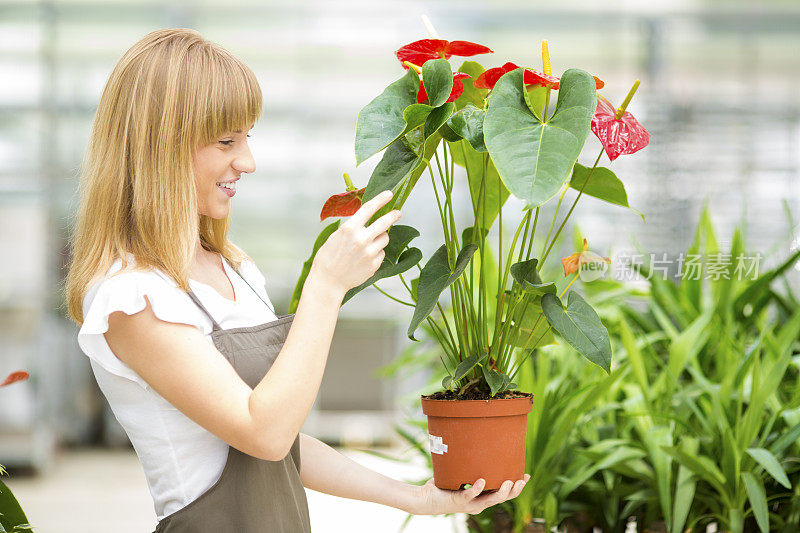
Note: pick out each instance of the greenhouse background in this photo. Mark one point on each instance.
(719, 96)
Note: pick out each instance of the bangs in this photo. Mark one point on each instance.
(234, 96)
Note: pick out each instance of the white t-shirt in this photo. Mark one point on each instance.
(180, 458)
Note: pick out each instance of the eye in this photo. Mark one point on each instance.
(226, 143)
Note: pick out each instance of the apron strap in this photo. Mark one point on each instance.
(215, 324)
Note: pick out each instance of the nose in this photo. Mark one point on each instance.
(244, 161)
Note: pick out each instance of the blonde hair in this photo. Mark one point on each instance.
(170, 93)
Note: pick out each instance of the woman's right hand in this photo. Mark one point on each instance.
(353, 253)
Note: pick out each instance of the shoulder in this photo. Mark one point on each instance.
(125, 290)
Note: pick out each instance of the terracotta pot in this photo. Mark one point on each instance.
(473, 439)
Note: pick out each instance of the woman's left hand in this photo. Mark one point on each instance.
(432, 500)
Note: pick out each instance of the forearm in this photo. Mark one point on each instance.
(282, 400)
(325, 470)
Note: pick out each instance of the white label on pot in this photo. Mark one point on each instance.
(436, 444)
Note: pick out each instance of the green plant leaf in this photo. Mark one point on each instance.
(398, 161)
(534, 158)
(301, 280)
(437, 118)
(526, 271)
(434, 278)
(12, 517)
(471, 94)
(437, 76)
(758, 500)
(535, 99)
(382, 120)
(395, 261)
(496, 380)
(466, 365)
(468, 124)
(770, 464)
(580, 326)
(603, 184)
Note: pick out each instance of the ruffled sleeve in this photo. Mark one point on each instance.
(254, 277)
(125, 292)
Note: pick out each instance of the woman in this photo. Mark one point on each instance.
(176, 321)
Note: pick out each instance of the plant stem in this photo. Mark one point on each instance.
(391, 297)
(571, 209)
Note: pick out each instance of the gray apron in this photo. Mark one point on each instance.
(252, 495)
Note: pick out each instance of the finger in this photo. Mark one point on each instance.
(494, 498)
(517, 489)
(380, 241)
(383, 224)
(371, 207)
(474, 491)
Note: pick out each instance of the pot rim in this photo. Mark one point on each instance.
(478, 408)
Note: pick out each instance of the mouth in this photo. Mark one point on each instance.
(227, 187)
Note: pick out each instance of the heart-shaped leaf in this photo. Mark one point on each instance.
(437, 76)
(437, 118)
(603, 184)
(434, 278)
(466, 365)
(395, 261)
(471, 95)
(383, 120)
(580, 326)
(468, 124)
(397, 162)
(535, 157)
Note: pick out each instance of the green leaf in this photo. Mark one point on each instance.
(471, 95)
(758, 500)
(397, 163)
(437, 76)
(685, 488)
(12, 517)
(394, 262)
(535, 99)
(534, 158)
(382, 120)
(437, 118)
(496, 380)
(434, 278)
(468, 124)
(580, 326)
(603, 184)
(770, 464)
(466, 365)
(301, 280)
(701, 465)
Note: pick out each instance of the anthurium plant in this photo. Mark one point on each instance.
(515, 131)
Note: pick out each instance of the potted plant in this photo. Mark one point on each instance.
(12, 518)
(507, 130)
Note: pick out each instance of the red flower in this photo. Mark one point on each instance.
(458, 88)
(342, 204)
(489, 78)
(420, 51)
(618, 136)
(13, 377)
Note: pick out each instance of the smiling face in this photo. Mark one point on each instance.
(217, 163)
